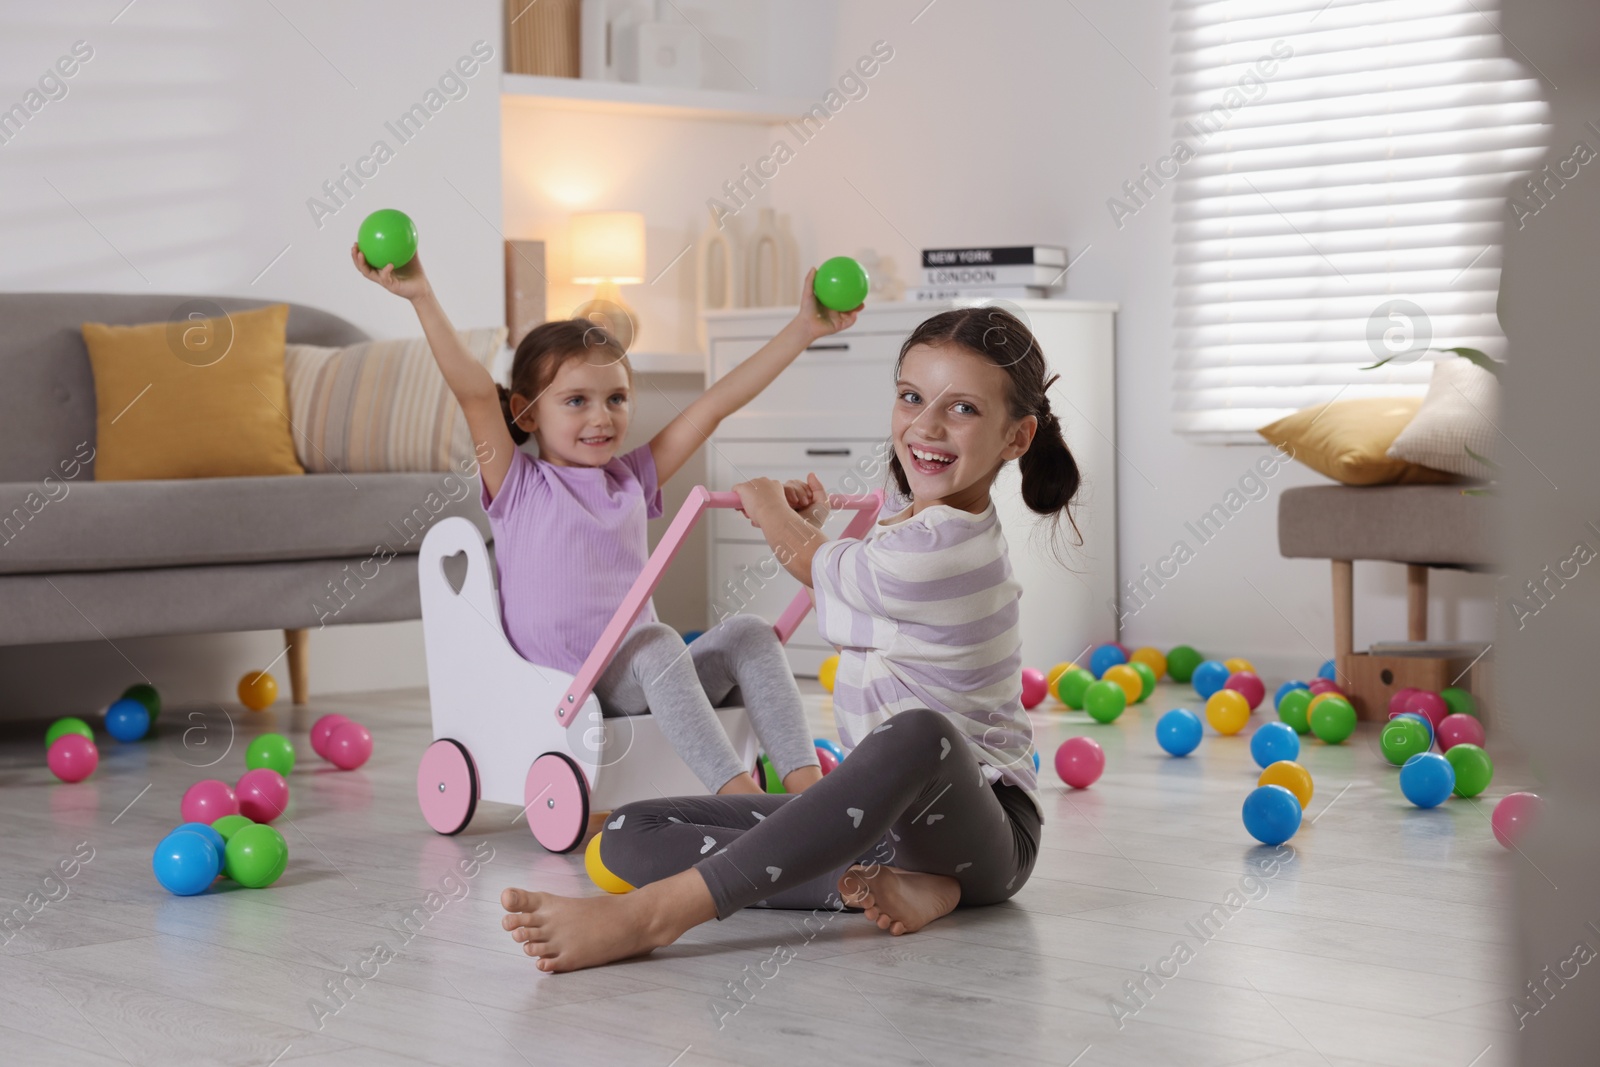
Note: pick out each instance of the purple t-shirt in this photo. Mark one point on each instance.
(568, 544)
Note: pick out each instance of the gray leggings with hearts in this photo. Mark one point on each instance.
(909, 796)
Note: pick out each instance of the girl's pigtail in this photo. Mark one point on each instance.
(518, 434)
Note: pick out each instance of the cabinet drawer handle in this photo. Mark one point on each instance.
(832, 346)
(827, 451)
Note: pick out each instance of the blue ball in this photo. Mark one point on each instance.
(1179, 731)
(1427, 779)
(690, 635)
(1035, 761)
(831, 746)
(1329, 670)
(1104, 658)
(1271, 814)
(218, 842)
(185, 863)
(1274, 741)
(1208, 678)
(1277, 698)
(127, 720)
(1423, 719)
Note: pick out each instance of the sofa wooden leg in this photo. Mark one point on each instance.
(1343, 608)
(299, 675)
(1416, 602)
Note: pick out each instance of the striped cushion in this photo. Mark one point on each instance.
(379, 405)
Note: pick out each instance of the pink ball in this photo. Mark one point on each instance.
(349, 746)
(1430, 706)
(72, 757)
(1512, 817)
(1034, 687)
(209, 800)
(1323, 685)
(263, 794)
(1248, 685)
(1397, 700)
(828, 760)
(1079, 761)
(1459, 730)
(320, 731)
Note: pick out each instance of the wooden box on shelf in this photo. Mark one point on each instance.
(1370, 678)
(542, 37)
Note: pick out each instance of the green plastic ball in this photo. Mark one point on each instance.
(840, 284)
(145, 694)
(1474, 769)
(1292, 709)
(1182, 661)
(1333, 720)
(1459, 701)
(1071, 686)
(1403, 738)
(1104, 701)
(387, 236)
(69, 725)
(255, 855)
(228, 825)
(769, 776)
(1147, 678)
(270, 750)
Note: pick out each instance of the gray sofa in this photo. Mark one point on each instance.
(82, 560)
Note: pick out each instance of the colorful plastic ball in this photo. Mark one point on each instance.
(209, 800)
(1459, 701)
(1054, 673)
(1127, 679)
(127, 721)
(1152, 658)
(841, 284)
(1274, 742)
(1035, 761)
(1103, 658)
(1104, 701)
(1071, 687)
(256, 856)
(1333, 720)
(210, 833)
(229, 825)
(263, 794)
(690, 636)
(1227, 711)
(1147, 678)
(1271, 814)
(1209, 677)
(322, 729)
(1403, 738)
(349, 746)
(1236, 664)
(145, 694)
(1427, 779)
(69, 725)
(1178, 732)
(1474, 769)
(1182, 661)
(828, 672)
(1397, 699)
(1293, 777)
(1286, 688)
(270, 750)
(1319, 686)
(1249, 684)
(1513, 817)
(1429, 704)
(258, 690)
(826, 760)
(1328, 670)
(832, 747)
(1293, 707)
(185, 862)
(1034, 687)
(1420, 721)
(387, 236)
(598, 872)
(72, 757)
(767, 776)
(1459, 729)
(1080, 761)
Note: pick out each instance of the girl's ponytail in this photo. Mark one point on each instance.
(518, 434)
(1050, 475)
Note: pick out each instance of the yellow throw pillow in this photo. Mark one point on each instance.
(198, 398)
(1348, 440)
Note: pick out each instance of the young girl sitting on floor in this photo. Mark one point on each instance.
(569, 527)
(938, 793)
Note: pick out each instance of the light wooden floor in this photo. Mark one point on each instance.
(1382, 942)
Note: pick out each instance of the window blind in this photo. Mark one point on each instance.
(1341, 200)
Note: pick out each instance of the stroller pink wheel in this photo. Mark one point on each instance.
(447, 786)
(556, 800)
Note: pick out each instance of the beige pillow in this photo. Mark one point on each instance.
(1348, 440)
(1457, 414)
(380, 405)
(200, 398)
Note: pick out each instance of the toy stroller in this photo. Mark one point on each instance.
(515, 732)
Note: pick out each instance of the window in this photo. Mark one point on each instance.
(1342, 177)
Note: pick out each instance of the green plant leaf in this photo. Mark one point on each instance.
(1472, 355)
(1491, 464)
(1477, 492)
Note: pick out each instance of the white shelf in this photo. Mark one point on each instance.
(621, 98)
(668, 362)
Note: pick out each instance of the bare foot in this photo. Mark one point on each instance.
(569, 933)
(899, 901)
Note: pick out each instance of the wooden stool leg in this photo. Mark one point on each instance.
(1416, 602)
(1344, 642)
(299, 651)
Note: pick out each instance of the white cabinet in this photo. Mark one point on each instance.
(829, 413)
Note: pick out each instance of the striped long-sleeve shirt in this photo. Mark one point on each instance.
(925, 612)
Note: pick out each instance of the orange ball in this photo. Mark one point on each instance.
(1127, 680)
(1227, 711)
(1237, 664)
(258, 690)
(1293, 777)
(1152, 658)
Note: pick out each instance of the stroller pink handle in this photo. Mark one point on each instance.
(865, 506)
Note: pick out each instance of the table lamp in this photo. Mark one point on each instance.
(608, 251)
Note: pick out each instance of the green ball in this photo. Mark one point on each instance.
(1474, 769)
(1292, 709)
(255, 855)
(769, 776)
(270, 750)
(1147, 678)
(1333, 720)
(1182, 661)
(69, 725)
(146, 695)
(1104, 701)
(1403, 738)
(1071, 686)
(1459, 701)
(840, 284)
(387, 236)
(228, 824)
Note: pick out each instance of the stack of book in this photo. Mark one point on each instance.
(1013, 272)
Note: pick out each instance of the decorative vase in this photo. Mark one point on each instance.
(716, 277)
(763, 259)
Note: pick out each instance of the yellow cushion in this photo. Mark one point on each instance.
(1347, 440)
(202, 398)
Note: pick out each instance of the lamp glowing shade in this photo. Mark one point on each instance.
(607, 246)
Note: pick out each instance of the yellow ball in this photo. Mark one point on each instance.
(257, 690)
(1319, 698)
(1056, 672)
(1227, 711)
(1152, 658)
(1293, 777)
(1237, 664)
(1127, 680)
(598, 874)
(828, 672)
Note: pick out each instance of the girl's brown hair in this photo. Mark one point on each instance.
(545, 350)
(1050, 477)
